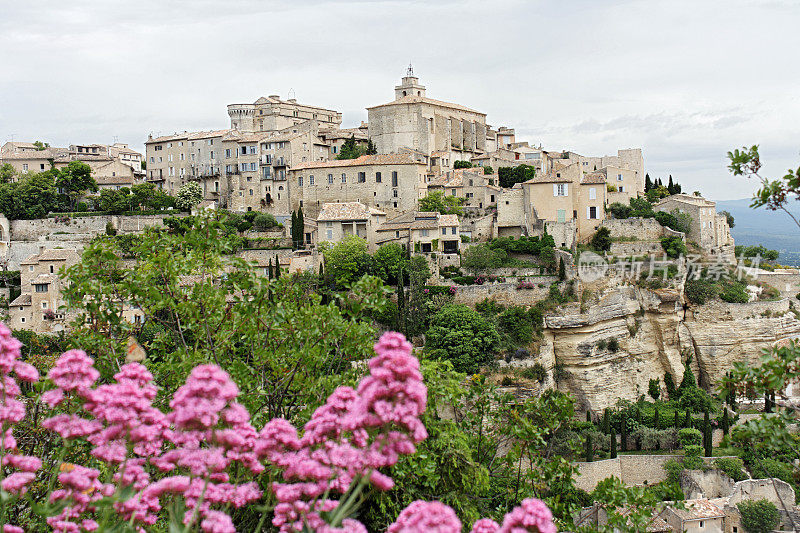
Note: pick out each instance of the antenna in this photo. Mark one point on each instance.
(410, 71)
(116, 139)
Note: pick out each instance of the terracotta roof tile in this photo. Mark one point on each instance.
(346, 211)
(380, 159)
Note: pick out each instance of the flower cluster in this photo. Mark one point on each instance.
(343, 448)
(12, 411)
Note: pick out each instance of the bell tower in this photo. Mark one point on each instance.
(410, 85)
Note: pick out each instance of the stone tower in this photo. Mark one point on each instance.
(410, 85)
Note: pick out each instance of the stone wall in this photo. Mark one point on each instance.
(80, 228)
(636, 248)
(20, 250)
(504, 293)
(787, 281)
(643, 229)
(630, 469)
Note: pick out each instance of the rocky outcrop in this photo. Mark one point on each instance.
(652, 331)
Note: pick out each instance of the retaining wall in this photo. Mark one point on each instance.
(504, 293)
(630, 469)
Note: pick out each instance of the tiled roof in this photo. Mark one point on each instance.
(448, 220)
(698, 510)
(346, 211)
(550, 177)
(57, 254)
(687, 198)
(347, 133)
(594, 177)
(22, 299)
(189, 136)
(424, 100)
(380, 159)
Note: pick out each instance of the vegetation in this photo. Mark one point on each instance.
(189, 195)
(601, 240)
(461, 164)
(759, 516)
(463, 337)
(673, 246)
(508, 176)
(351, 149)
(438, 202)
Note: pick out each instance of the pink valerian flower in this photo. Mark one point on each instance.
(210, 431)
(485, 525)
(421, 516)
(8, 528)
(349, 438)
(81, 488)
(73, 372)
(11, 412)
(532, 515)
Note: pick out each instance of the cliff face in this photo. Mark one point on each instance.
(652, 329)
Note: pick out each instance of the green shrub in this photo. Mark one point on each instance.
(515, 323)
(613, 345)
(735, 292)
(535, 372)
(692, 459)
(699, 291)
(673, 246)
(690, 437)
(732, 466)
(601, 240)
(264, 221)
(759, 516)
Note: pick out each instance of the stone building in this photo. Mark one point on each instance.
(708, 228)
(479, 191)
(272, 114)
(698, 516)
(39, 307)
(392, 183)
(336, 221)
(423, 232)
(113, 166)
(412, 120)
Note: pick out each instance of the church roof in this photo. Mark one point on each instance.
(406, 100)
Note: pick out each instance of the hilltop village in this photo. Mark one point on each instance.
(591, 277)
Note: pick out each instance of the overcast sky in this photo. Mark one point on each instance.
(686, 81)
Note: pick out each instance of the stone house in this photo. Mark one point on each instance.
(698, 516)
(173, 159)
(423, 232)
(39, 307)
(708, 229)
(336, 221)
(477, 190)
(392, 183)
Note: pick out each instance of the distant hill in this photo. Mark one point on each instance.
(773, 229)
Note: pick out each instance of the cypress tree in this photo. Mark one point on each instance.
(401, 301)
(562, 270)
(301, 227)
(606, 421)
(767, 403)
(588, 415)
(707, 440)
(589, 449)
(613, 444)
(669, 383)
(670, 185)
(687, 422)
(677, 423)
(656, 421)
(648, 184)
(623, 434)
(269, 269)
(321, 272)
(725, 421)
(277, 268)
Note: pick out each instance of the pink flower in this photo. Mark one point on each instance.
(8, 528)
(53, 397)
(26, 463)
(485, 525)
(532, 515)
(17, 482)
(421, 517)
(26, 372)
(217, 522)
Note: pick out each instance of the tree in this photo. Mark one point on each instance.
(462, 336)
(729, 218)
(7, 173)
(606, 421)
(40, 146)
(298, 229)
(461, 164)
(601, 240)
(347, 261)
(264, 221)
(725, 423)
(114, 202)
(32, 196)
(647, 183)
(508, 176)
(589, 455)
(480, 258)
(707, 439)
(669, 384)
(562, 271)
(189, 196)
(775, 194)
(371, 148)
(387, 261)
(656, 421)
(488, 170)
(351, 150)
(759, 516)
(75, 180)
(654, 388)
(438, 202)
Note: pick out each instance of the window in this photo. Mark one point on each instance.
(251, 192)
(452, 192)
(561, 215)
(362, 177)
(619, 178)
(329, 234)
(334, 149)
(22, 319)
(701, 524)
(453, 230)
(300, 181)
(44, 305)
(227, 153)
(41, 287)
(592, 193)
(212, 154)
(424, 232)
(41, 166)
(344, 178)
(52, 269)
(621, 188)
(330, 178)
(30, 268)
(311, 180)
(592, 213)
(377, 177)
(394, 193)
(252, 150)
(25, 167)
(560, 189)
(394, 178)
(444, 231)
